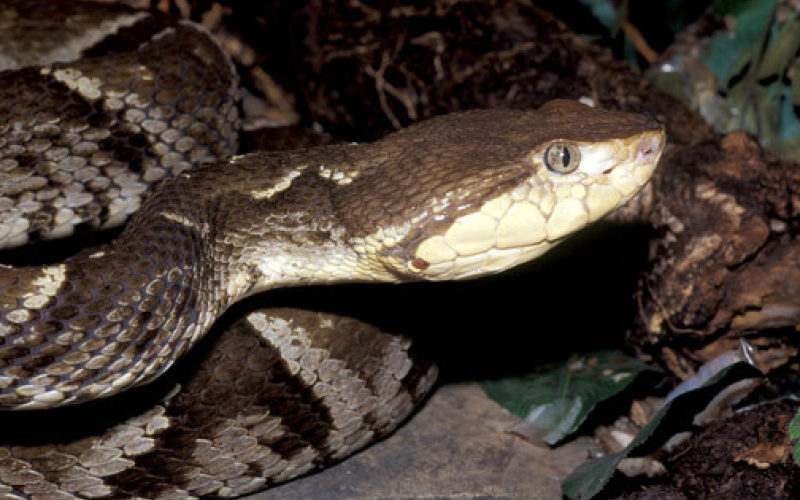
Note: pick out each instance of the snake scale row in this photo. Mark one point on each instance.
(99, 104)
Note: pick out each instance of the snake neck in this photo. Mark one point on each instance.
(118, 317)
(286, 229)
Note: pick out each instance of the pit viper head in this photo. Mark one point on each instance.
(458, 196)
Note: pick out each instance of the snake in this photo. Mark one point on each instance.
(123, 116)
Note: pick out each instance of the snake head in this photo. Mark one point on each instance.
(487, 190)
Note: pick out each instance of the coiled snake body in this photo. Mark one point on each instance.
(282, 391)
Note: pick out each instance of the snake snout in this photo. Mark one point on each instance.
(649, 148)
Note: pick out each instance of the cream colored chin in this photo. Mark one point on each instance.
(520, 225)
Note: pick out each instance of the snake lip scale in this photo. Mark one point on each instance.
(279, 392)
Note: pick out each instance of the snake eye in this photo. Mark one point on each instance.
(562, 157)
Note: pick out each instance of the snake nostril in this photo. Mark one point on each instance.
(648, 148)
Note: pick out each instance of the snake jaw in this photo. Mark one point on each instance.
(526, 221)
(600, 158)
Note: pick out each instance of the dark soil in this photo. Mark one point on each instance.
(747, 456)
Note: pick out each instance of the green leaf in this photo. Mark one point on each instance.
(788, 141)
(789, 122)
(676, 416)
(738, 8)
(767, 111)
(604, 11)
(758, 110)
(743, 60)
(781, 51)
(794, 434)
(556, 399)
(789, 148)
(753, 18)
(795, 88)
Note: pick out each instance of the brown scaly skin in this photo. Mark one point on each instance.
(134, 98)
(97, 324)
(258, 411)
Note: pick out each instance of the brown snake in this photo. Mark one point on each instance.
(281, 392)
